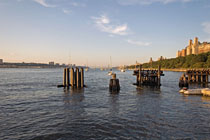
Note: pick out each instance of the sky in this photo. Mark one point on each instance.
(89, 32)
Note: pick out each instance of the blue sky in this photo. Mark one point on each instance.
(90, 31)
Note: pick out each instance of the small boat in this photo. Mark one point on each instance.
(206, 92)
(110, 72)
(86, 69)
(122, 70)
(193, 92)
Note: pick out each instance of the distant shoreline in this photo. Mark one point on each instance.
(176, 70)
(31, 65)
(182, 69)
(28, 67)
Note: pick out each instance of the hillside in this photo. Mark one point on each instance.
(190, 61)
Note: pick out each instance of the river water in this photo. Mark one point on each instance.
(32, 107)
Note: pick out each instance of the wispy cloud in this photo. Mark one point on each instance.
(104, 24)
(138, 43)
(76, 4)
(206, 27)
(44, 3)
(65, 11)
(148, 2)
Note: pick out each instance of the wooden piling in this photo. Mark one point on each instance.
(140, 78)
(114, 85)
(67, 78)
(201, 77)
(78, 78)
(196, 77)
(72, 77)
(159, 72)
(189, 77)
(64, 77)
(82, 77)
(148, 77)
(75, 78)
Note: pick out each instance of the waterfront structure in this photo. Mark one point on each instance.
(194, 48)
(150, 61)
(51, 63)
(73, 77)
(161, 58)
(148, 77)
(1, 61)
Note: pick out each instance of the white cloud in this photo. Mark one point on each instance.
(44, 3)
(138, 43)
(206, 27)
(65, 11)
(147, 2)
(76, 4)
(104, 24)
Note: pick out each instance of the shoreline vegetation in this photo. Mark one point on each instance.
(200, 61)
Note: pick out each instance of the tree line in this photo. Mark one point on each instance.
(190, 61)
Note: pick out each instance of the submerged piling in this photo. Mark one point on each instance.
(198, 76)
(158, 76)
(82, 77)
(73, 78)
(67, 78)
(78, 78)
(148, 77)
(64, 77)
(114, 84)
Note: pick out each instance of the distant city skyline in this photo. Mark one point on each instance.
(88, 32)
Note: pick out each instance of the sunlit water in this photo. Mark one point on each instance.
(32, 107)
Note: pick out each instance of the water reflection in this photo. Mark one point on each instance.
(73, 96)
(206, 101)
(199, 85)
(114, 104)
(142, 90)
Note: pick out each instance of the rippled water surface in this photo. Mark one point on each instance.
(32, 107)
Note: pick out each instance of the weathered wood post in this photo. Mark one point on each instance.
(159, 73)
(75, 78)
(114, 85)
(78, 78)
(72, 77)
(196, 76)
(64, 77)
(82, 77)
(67, 78)
(201, 76)
(193, 76)
(189, 77)
(140, 77)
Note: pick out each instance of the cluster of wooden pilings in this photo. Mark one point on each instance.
(146, 77)
(73, 78)
(198, 76)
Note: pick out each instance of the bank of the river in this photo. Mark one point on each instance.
(174, 70)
